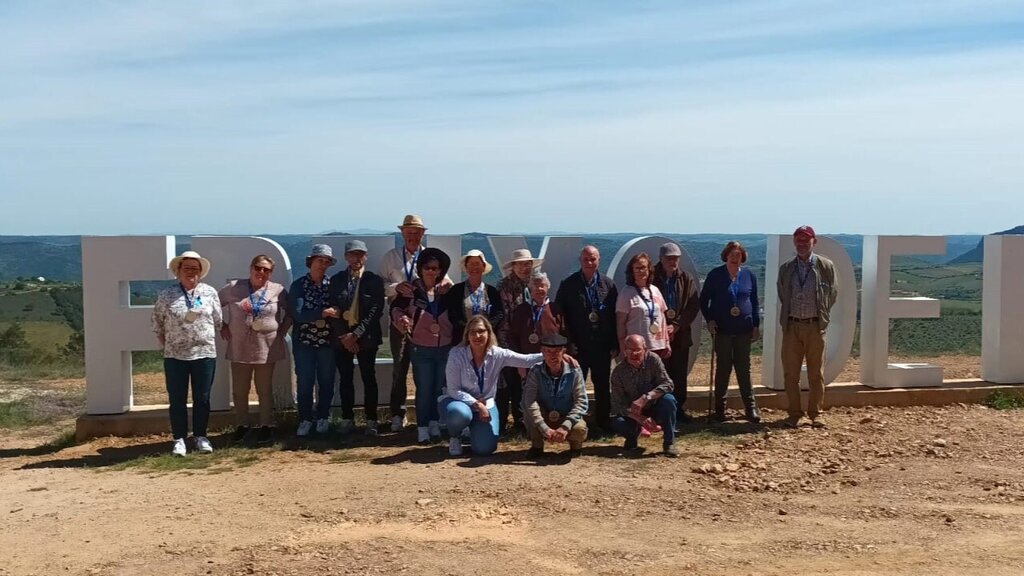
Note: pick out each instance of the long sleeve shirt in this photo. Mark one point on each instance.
(396, 267)
(186, 339)
(565, 393)
(681, 296)
(720, 294)
(629, 383)
(463, 378)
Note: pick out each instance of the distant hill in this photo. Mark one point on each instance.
(977, 253)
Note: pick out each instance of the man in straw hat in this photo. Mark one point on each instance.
(357, 304)
(555, 400)
(807, 290)
(513, 290)
(398, 270)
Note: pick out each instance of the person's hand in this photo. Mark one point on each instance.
(757, 333)
(482, 412)
(636, 408)
(405, 289)
(445, 286)
(350, 342)
(225, 333)
(664, 353)
(405, 324)
(671, 330)
(712, 327)
(331, 312)
(557, 434)
(571, 361)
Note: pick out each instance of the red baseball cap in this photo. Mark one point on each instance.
(805, 231)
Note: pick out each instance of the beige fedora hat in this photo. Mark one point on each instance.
(413, 221)
(522, 255)
(204, 264)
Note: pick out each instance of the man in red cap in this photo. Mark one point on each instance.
(807, 289)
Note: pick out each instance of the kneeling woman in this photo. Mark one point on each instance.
(474, 367)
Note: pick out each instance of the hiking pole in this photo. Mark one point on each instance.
(711, 377)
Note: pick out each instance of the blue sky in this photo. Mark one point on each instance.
(302, 117)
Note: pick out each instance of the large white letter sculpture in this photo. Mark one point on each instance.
(877, 307)
(842, 321)
(113, 327)
(650, 245)
(229, 257)
(1002, 321)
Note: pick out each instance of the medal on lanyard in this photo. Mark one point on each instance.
(651, 308)
(554, 416)
(191, 315)
(734, 291)
(434, 309)
(670, 296)
(257, 305)
(592, 299)
(409, 267)
(353, 293)
(538, 312)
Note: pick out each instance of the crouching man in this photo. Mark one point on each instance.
(641, 389)
(554, 400)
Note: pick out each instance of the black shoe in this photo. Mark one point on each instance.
(719, 416)
(535, 453)
(575, 452)
(683, 418)
(239, 434)
(672, 451)
(753, 414)
(265, 435)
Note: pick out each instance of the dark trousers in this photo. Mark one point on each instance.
(733, 351)
(598, 363)
(663, 412)
(399, 388)
(678, 365)
(512, 394)
(347, 387)
(178, 374)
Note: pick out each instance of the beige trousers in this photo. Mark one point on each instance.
(242, 376)
(802, 341)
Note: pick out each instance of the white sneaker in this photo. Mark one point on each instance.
(322, 425)
(179, 447)
(203, 445)
(423, 434)
(397, 423)
(304, 427)
(455, 447)
(346, 426)
(435, 430)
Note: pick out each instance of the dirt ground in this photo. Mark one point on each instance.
(931, 491)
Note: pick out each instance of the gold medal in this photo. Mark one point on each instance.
(191, 316)
(593, 317)
(670, 314)
(553, 416)
(534, 338)
(735, 311)
(347, 315)
(655, 328)
(320, 323)
(435, 328)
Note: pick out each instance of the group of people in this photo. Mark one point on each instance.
(483, 354)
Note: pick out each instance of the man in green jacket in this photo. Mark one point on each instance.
(807, 290)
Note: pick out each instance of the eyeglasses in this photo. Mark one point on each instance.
(263, 269)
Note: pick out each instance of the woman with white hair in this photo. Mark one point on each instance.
(186, 319)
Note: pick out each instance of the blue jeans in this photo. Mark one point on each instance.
(314, 366)
(663, 412)
(483, 436)
(428, 365)
(177, 375)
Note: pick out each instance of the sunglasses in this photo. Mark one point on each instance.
(263, 269)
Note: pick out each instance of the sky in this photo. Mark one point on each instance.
(192, 117)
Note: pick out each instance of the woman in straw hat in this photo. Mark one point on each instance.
(186, 319)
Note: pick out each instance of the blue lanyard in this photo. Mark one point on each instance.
(257, 304)
(649, 304)
(734, 286)
(592, 296)
(188, 299)
(538, 311)
(434, 306)
(409, 267)
(479, 374)
(803, 279)
(476, 298)
(353, 282)
(670, 292)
